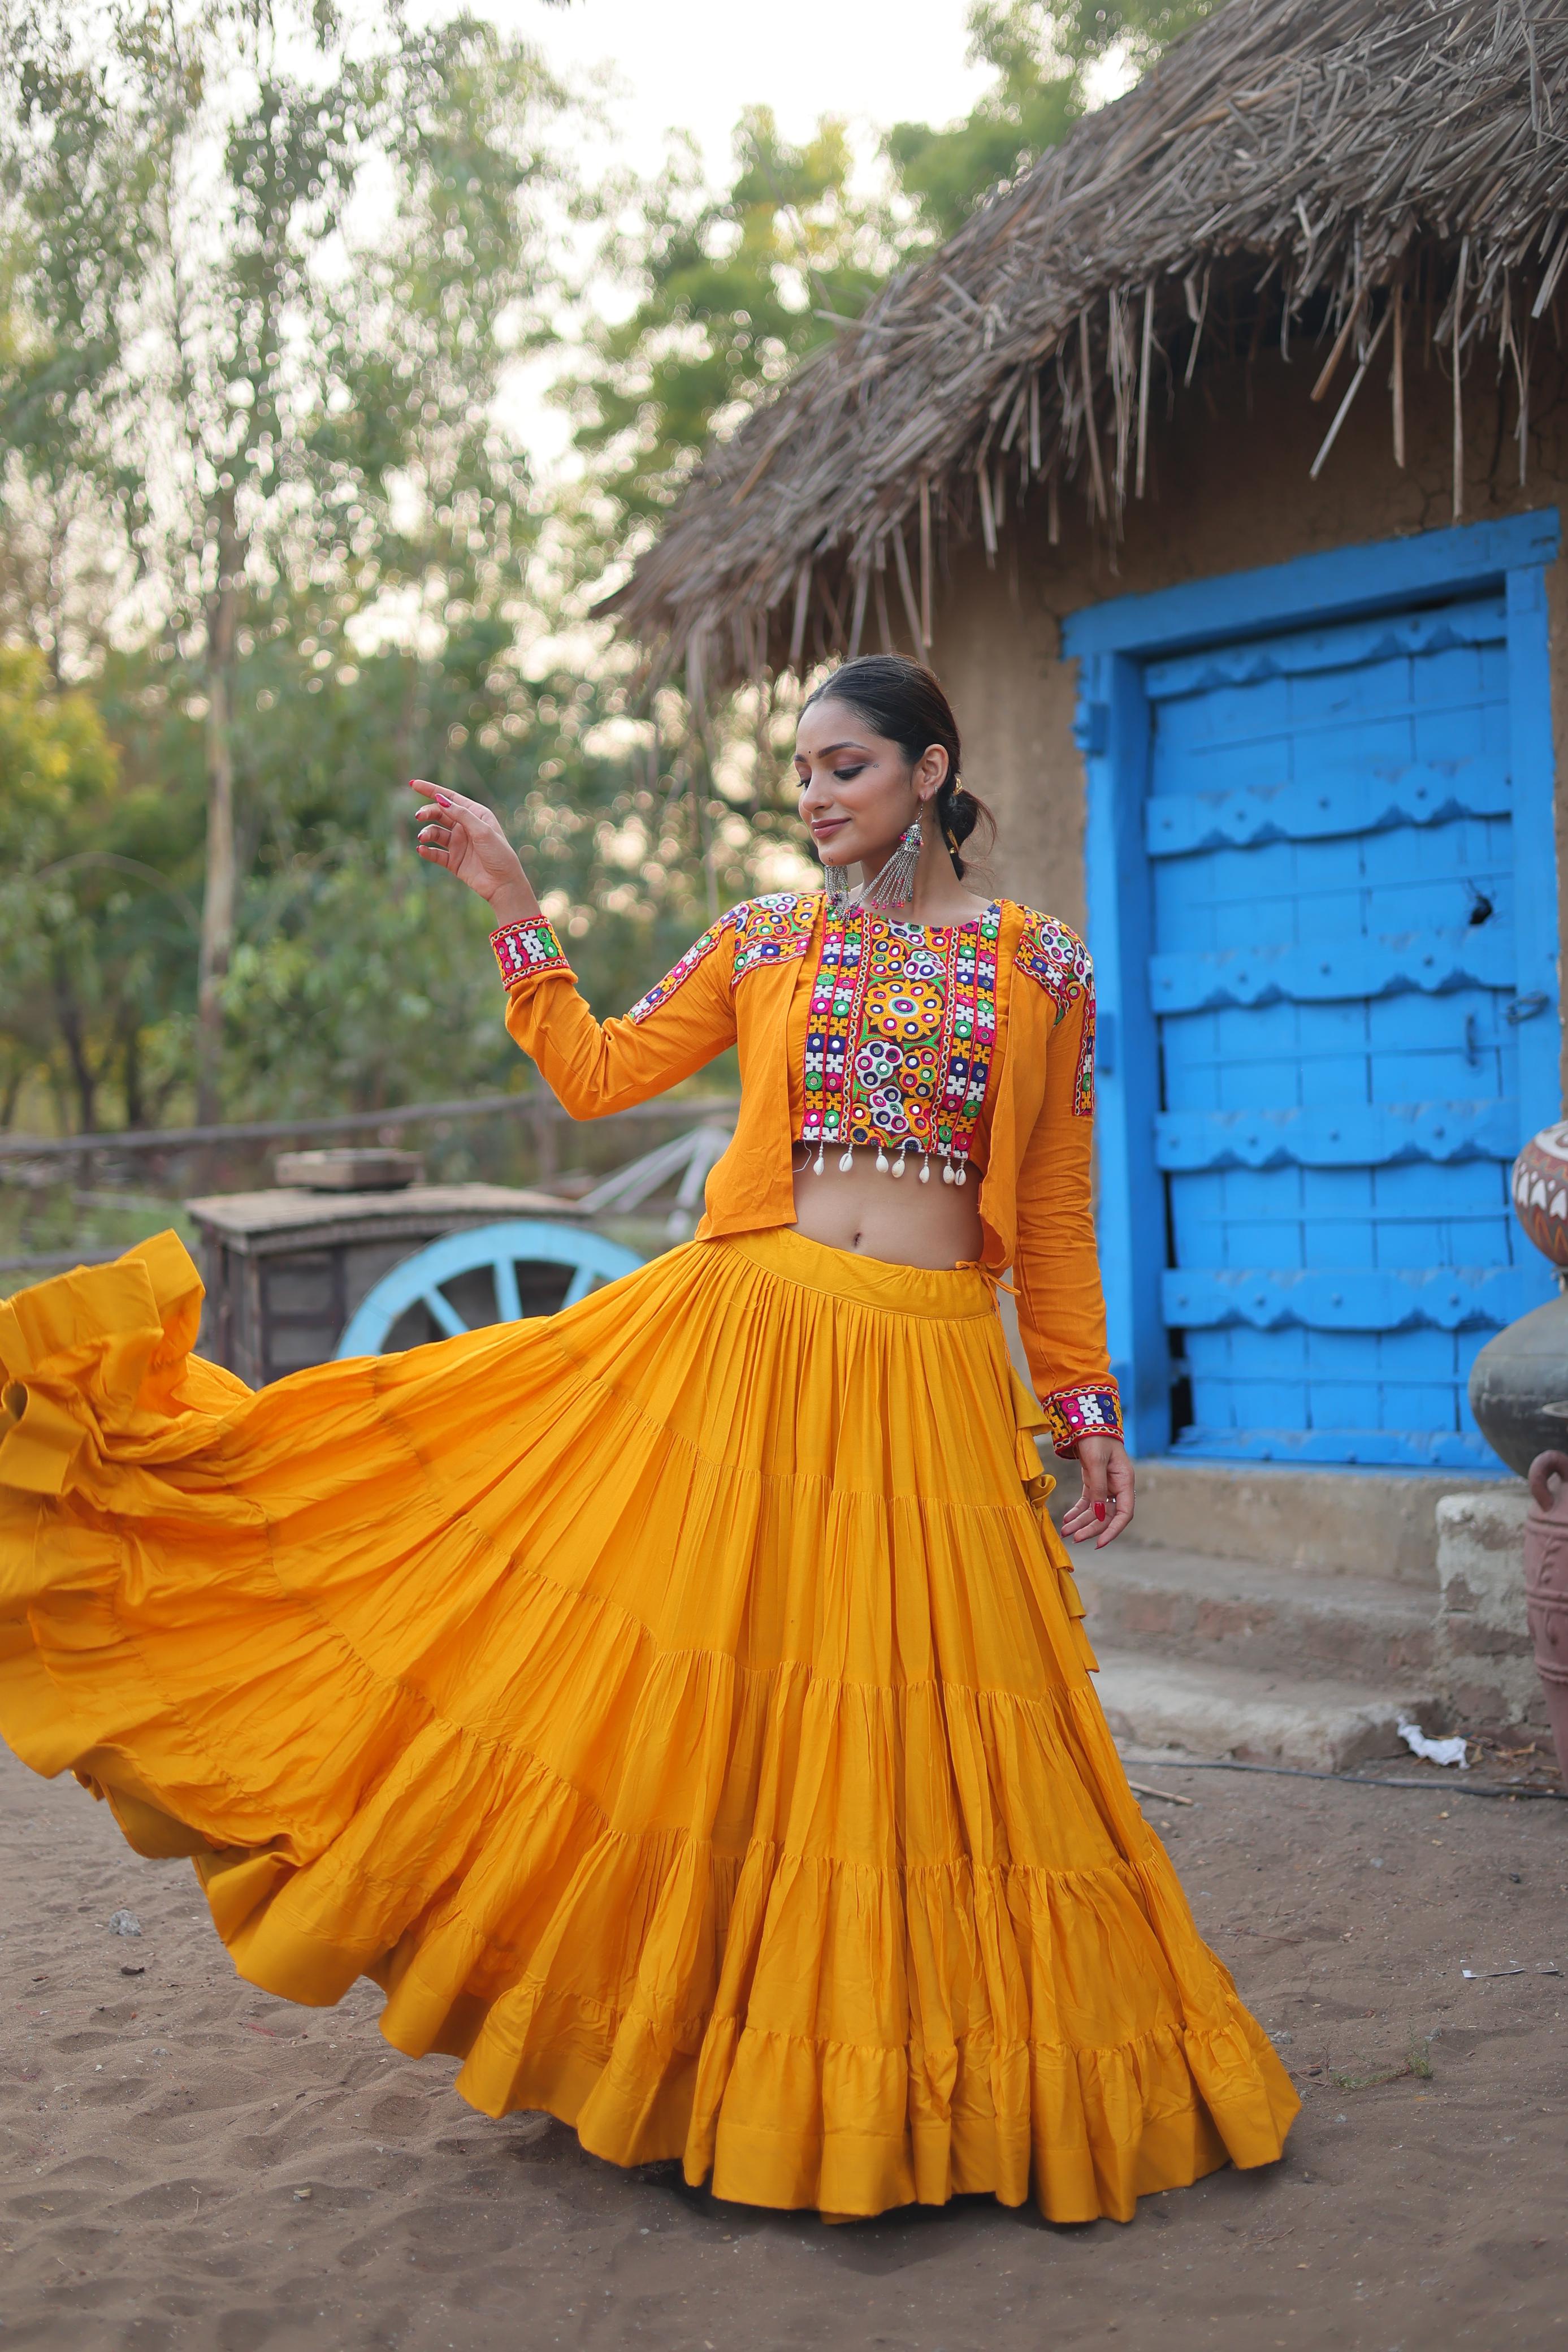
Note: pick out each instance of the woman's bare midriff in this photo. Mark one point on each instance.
(896, 1218)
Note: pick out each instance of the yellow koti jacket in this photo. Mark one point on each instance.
(749, 981)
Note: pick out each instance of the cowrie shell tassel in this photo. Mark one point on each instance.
(947, 1171)
(880, 1160)
(898, 1165)
(817, 1163)
(962, 1177)
(925, 1171)
(847, 1161)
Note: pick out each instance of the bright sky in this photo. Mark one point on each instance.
(694, 65)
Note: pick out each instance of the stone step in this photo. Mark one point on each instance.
(1320, 1724)
(1358, 1522)
(1188, 1604)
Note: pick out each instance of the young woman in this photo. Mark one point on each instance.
(679, 1705)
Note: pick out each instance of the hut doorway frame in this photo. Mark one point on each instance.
(1111, 643)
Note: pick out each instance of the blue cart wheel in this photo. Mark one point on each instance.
(500, 1250)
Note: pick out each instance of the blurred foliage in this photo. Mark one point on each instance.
(733, 289)
(1041, 56)
(215, 386)
(1037, 96)
(95, 925)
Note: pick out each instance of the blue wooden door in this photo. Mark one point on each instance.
(1334, 983)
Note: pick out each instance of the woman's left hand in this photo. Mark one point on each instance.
(1105, 1506)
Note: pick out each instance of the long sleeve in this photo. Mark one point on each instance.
(594, 1068)
(1056, 1268)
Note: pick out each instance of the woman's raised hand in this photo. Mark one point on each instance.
(466, 837)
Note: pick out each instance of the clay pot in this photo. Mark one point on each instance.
(1546, 1589)
(1519, 1386)
(1539, 1188)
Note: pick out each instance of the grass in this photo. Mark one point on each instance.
(1416, 2064)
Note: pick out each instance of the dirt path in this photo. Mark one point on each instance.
(189, 2163)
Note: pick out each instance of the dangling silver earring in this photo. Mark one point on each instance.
(836, 884)
(894, 885)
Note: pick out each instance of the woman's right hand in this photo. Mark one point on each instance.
(466, 838)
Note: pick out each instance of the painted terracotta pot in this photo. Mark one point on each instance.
(1546, 1588)
(1540, 1192)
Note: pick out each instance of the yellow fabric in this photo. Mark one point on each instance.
(1034, 1198)
(678, 1706)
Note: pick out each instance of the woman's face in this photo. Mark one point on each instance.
(858, 792)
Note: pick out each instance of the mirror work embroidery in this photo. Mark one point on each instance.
(901, 1034)
(1058, 961)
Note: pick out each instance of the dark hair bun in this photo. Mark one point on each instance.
(903, 701)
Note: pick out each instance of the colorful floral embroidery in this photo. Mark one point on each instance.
(1083, 1075)
(900, 1033)
(774, 929)
(1059, 961)
(1092, 1410)
(525, 949)
(767, 930)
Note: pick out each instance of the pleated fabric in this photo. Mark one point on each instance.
(679, 1706)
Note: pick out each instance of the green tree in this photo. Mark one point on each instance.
(1040, 55)
(96, 930)
(259, 411)
(1037, 96)
(734, 289)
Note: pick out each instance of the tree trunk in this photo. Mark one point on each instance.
(219, 894)
(130, 1064)
(67, 1013)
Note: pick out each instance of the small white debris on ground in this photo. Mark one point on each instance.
(1435, 1752)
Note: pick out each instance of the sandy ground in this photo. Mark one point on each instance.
(188, 2162)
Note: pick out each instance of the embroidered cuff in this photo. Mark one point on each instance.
(526, 950)
(1093, 1411)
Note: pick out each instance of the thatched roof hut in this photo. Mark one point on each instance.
(1337, 179)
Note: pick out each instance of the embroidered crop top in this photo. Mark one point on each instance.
(901, 1026)
(891, 1038)
(900, 1019)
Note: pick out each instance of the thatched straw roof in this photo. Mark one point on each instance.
(1359, 172)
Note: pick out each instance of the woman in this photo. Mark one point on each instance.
(679, 1705)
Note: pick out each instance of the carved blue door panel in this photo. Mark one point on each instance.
(1333, 976)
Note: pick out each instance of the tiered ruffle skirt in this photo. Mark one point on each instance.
(677, 1705)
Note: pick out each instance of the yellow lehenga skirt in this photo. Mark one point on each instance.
(677, 1705)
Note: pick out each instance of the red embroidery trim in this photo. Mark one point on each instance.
(1090, 1409)
(525, 949)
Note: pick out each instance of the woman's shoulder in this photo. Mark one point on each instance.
(772, 929)
(1050, 953)
(774, 915)
(768, 930)
(772, 907)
